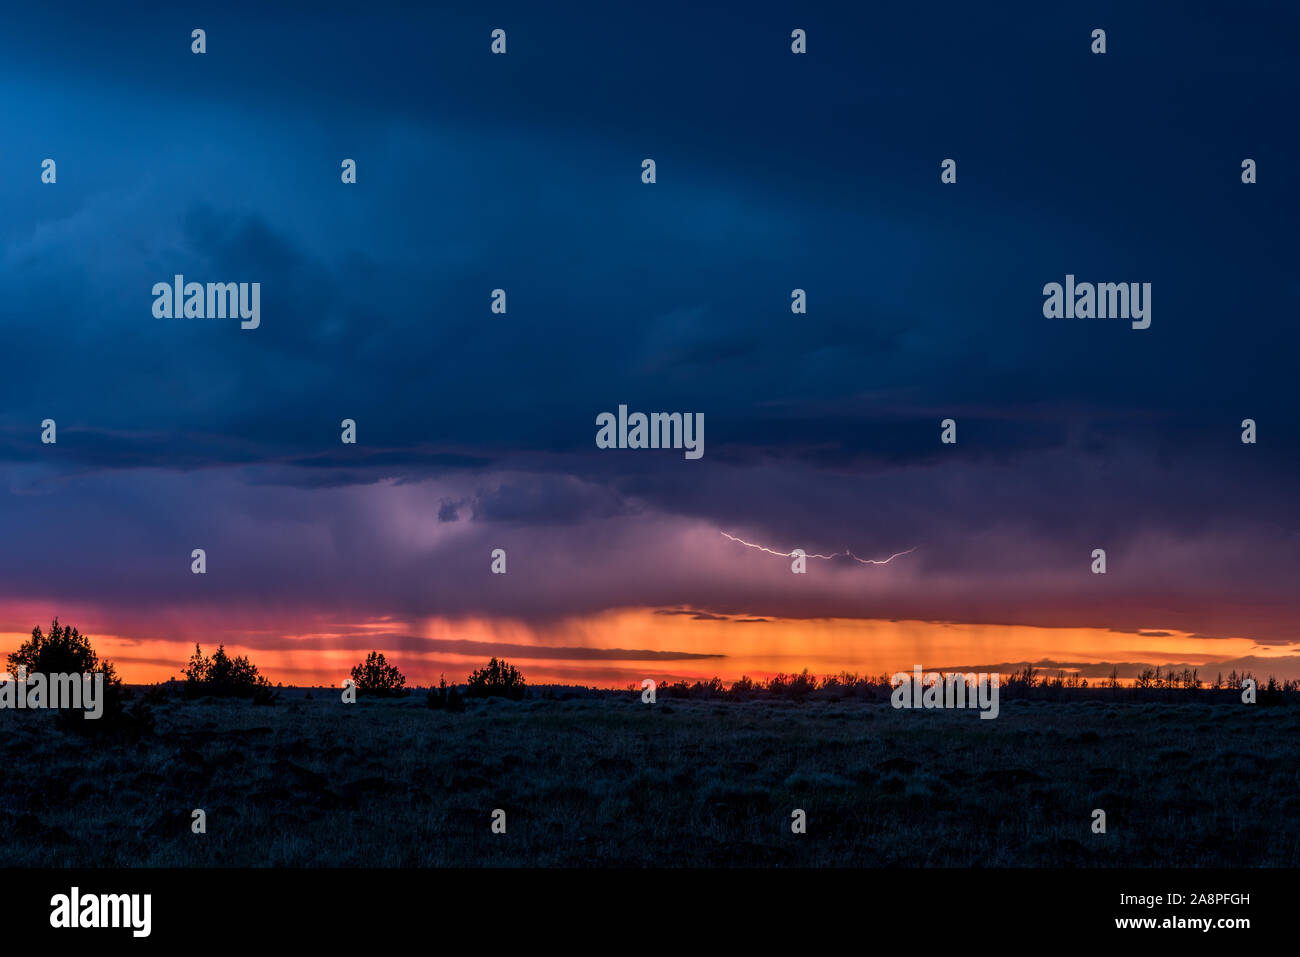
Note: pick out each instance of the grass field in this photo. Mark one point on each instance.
(612, 781)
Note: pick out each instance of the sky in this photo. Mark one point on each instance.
(477, 431)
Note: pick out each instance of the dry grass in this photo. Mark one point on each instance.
(616, 782)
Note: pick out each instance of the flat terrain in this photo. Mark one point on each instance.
(616, 782)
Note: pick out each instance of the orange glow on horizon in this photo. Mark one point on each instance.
(323, 653)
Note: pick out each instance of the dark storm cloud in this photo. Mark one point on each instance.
(521, 172)
(419, 645)
(693, 615)
(545, 500)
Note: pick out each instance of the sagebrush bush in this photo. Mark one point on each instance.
(66, 651)
(378, 679)
(221, 676)
(498, 680)
(63, 651)
(445, 696)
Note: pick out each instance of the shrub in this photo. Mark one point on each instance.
(801, 684)
(377, 678)
(67, 651)
(742, 687)
(498, 679)
(224, 677)
(445, 696)
(63, 651)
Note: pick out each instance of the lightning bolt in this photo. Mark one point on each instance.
(845, 553)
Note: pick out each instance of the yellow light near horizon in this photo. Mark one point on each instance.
(868, 647)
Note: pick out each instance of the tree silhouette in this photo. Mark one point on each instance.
(377, 678)
(444, 696)
(63, 651)
(224, 677)
(66, 651)
(498, 679)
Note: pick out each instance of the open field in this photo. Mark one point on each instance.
(612, 781)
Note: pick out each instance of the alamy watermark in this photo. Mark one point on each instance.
(1105, 300)
(75, 909)
(953, 690)
(215, 300)
(79, 692)
(658, 430)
